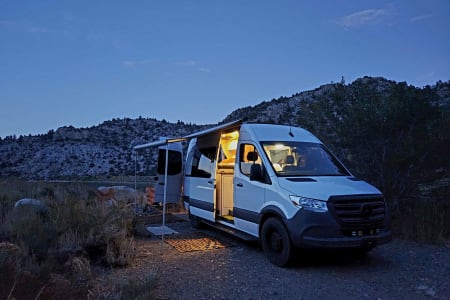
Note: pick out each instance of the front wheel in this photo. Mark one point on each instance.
(275, 242)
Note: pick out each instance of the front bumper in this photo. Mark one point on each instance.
(309, 229)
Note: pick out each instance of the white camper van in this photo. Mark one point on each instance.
(280, 185)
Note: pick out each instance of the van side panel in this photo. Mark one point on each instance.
(201, 198)
(249, 196)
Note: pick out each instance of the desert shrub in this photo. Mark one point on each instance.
(10, 192)
(120, 249)
(104, 232)
(110, 240)
(426, 217)
(31, 230)
(55, 247)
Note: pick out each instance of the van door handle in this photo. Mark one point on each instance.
(240, 184)
(161, 183)
(210, 181)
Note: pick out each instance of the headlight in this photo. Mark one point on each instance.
(309, 203)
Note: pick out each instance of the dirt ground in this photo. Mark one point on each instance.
(228, 268)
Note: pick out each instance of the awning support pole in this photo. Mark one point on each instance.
(165, 185)
(136, 208)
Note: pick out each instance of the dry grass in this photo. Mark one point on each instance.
(49, 253)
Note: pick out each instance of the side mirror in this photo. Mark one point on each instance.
(256, 173)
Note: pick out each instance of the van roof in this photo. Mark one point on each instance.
(248, 131)
(274, 132)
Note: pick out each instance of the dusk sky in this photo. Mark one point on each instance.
(82, 62)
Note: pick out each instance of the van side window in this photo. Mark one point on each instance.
(248, 156)
(203, 162)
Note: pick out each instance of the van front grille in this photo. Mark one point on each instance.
(358, 211)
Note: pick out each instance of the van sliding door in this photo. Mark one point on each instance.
(201, 181)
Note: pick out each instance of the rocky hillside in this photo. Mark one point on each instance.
(286, 110)
(103, 150)
(106, 149)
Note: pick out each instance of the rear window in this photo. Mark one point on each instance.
(174, 165)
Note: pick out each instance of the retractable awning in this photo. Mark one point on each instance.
(166, 141)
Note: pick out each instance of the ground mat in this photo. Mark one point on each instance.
(197, 241)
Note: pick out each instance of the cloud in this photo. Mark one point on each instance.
(361, 18)
(421, 17)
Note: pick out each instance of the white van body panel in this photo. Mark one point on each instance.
(322, 187)
(201, 189)
(278, 197)
(244, 189)
(246, 226)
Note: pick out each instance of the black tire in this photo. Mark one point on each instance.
(195, 222)
(275, 242)
(361, 252)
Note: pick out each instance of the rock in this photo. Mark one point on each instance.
(36, 205)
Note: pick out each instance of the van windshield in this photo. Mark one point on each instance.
(302, 159)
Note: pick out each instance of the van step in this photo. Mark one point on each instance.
(237, 233)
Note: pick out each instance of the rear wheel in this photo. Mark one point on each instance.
(275, 242)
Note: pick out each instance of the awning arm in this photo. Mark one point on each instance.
(159, 143)
(213, 129)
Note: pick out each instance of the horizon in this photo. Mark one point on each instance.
(173, 122)
(81, 64)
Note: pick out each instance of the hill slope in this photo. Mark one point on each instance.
(68, 152)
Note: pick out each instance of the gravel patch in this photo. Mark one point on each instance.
(398, 270)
